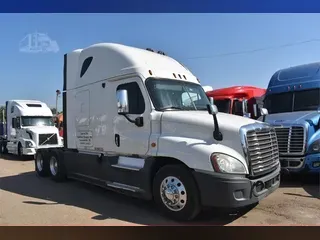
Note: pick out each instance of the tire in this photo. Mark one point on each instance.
(187, 205)
(41, 165)
(20, 150)
(56, 167)
(3, 148)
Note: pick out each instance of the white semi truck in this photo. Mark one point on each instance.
(132, 124)
(28, 127)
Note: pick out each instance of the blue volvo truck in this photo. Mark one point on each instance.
(292, 102)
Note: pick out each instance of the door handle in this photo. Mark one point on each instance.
(117, 139)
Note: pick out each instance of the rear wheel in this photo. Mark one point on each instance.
(176, 193)
(57, 168)
(41, 165)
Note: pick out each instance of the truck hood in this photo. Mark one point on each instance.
(200, 125)
(293, 117)
(42, 130)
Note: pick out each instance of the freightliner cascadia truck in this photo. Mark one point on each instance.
(138, 122)
(293, 103)
(28, 126)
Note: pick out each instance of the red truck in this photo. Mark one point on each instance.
(239, 100)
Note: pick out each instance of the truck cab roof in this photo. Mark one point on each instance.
(108, 60)
(29, 108)
(297, 78)
(237, 92)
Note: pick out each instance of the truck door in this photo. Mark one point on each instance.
(13, 129)
(128, 137)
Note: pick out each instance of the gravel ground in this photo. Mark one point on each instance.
(26, 199)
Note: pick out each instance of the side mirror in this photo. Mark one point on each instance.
(122, 101)
(263, 111)
(212, 109)
(255, 110)
(211, 100)
(244, 107)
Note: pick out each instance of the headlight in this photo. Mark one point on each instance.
(226, 164)
(315, 147)
(28, 144)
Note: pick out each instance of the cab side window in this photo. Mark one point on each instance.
(13, 123)
(18, 122)
(135, 97)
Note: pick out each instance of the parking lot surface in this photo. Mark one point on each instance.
(26, 199)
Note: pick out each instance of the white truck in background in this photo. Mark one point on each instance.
(138, 122)
(28, 126)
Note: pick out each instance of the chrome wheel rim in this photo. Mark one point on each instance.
(53, 165)
(39, 162)
(173, 194)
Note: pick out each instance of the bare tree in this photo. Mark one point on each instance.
(54, 111)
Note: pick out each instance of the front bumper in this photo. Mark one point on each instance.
(312, 163)
(29, 151)
(33, 150)
(306, 164)
(229, 191)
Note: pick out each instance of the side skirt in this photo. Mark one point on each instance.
(112, 186)
(129, 175)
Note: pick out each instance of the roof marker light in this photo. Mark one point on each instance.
(198, 80)
(149, 49)
(184, 77)
(174, 75)
(150, 72)
(179, 76)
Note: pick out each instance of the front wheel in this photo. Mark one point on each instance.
(3, 148)
(176, 193)
(20, 150)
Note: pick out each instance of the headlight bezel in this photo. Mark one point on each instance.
(312, 145)
(218, 165)
(28, 144)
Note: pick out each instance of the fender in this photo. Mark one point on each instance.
(194, 153)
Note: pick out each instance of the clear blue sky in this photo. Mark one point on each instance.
(182, 36)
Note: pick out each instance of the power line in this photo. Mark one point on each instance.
(254, 50)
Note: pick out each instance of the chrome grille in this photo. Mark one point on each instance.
(263, 153)
(291, 139)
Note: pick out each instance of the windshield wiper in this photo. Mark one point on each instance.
(170, 108)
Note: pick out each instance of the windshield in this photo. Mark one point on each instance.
(223, 105)
(36, 121)
(307, 100)
(169, 94)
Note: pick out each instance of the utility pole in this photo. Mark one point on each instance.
(57, 96)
